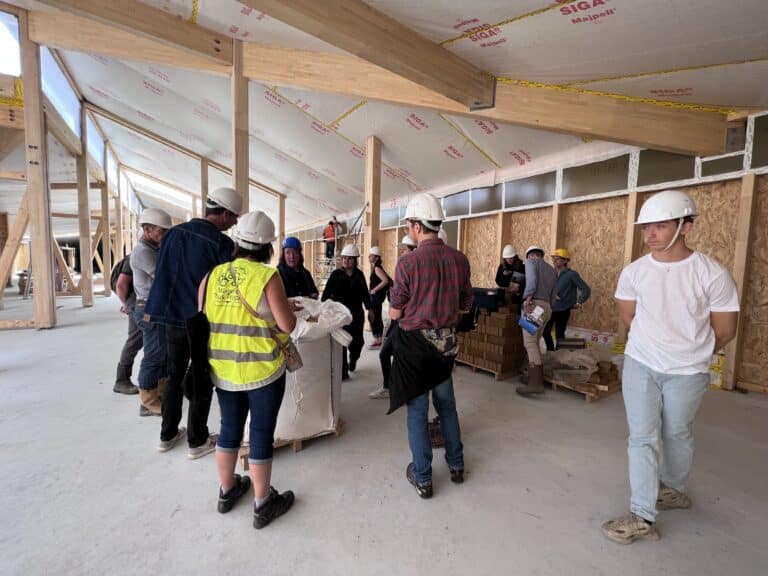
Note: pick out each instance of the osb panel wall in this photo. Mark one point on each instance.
(388, 240)
(479, 238)
(522, 229)
(714, 232)
(754, 305)
(594, 234)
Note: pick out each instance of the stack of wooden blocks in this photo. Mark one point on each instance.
(495, 345)
(607, 378)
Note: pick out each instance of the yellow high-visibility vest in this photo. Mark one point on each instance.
(241, 350)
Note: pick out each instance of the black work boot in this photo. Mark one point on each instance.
(275, 505)
(123, 384)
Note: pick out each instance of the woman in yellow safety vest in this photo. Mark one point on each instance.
(250, 319)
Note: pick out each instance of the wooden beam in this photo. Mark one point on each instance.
(84, 211)
(13, 175)
(63, 268)
(158, 180)
(281, 218)
(10, 140)
(240, 164)
(73, 185)
(372, 195)
(741, 264)
(60, 129)
(7, 86)
(37, 180)
(11, 116)
(584, 114)
(13, 242)
(106, 240)
(18, 324)
(139, 18)
(360, 29)
(119, 228)
(96, 238)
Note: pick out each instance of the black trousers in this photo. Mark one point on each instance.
(173, 396)
(355, 329)
(559, 320)
(377, 325)
(330, 250)
(386, 352)
(131, 347)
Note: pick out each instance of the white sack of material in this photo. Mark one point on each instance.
(319, 319)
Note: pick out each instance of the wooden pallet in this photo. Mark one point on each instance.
(497, 375)
(297, 445)
(591, 392)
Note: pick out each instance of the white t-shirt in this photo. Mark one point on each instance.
(671, 331)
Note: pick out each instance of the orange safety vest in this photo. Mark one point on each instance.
(329, 233)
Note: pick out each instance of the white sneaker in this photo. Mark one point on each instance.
(166, 445)
(203, 449)
(379, 394)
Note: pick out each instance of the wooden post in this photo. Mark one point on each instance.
(37, 179)
(119, 240)
(558, 225)
(15, 234)
(84, 214)
(281, 218)
(106, 241)
(240, 176)
(741, 261)
(372, 196)
(631, 248)
(203, 182)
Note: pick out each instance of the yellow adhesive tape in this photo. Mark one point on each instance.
(17, 100)
(469, 139)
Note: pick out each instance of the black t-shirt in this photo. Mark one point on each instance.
(351, 291)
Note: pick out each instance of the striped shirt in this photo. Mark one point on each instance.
(432, 287)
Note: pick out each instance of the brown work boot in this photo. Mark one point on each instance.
(150, 402)
(535, 383)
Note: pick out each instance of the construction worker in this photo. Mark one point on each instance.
(510, 274)
(347, 285)
(189, 252)
(250, 316)
(330, 233)
(127, 296)
(379, 283)
(152, 372)
(431, 291)
(540, 279)
(388, 347)
(296, 279)
(680, 307)
(571, 292)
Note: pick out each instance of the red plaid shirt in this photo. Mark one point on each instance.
(431, 287)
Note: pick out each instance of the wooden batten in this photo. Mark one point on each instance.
(240, 144)
(372, 196)
(106, 242)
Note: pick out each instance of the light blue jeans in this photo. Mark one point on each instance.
(660, 410)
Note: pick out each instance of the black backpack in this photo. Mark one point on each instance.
(115, 274)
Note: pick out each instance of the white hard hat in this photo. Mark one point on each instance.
(443, 235)
(375, 251)
(156, 217)
(509, 251)
(351, 250)
(254, 228)
(406, 241)
(228, 198)
(532, 248)
(667, 205)
(425, 208)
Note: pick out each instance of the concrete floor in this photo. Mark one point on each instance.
(85, 492)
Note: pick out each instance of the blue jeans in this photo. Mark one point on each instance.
(659, 407)
(418, 431)
(153, 364)
(264, 404)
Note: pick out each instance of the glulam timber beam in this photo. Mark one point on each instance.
(371, 35)
(240, 159)
(84, 220)
(149, 22)
(73, 185)
(13, 175)
(595, 116)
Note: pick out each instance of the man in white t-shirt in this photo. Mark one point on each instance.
(680, 306)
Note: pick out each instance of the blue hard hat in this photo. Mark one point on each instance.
(292, 242)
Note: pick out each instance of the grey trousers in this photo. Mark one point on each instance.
(131, 347)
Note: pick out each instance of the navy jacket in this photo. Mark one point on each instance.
(568, 284)
(188, 252)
